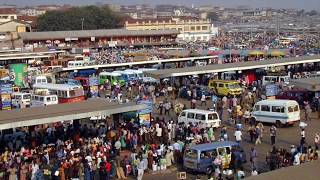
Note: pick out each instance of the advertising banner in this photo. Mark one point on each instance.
(93, 81)
(18, 74)
(272, 90)
(5, 88)
(149, 104)
(145, 119)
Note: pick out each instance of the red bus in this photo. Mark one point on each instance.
(66, 93)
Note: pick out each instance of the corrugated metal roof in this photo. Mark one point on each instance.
(239, 66)
(92, 33)
(63, 112)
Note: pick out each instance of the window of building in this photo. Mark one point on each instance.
(192, 28)
(204, 28)
(204, 38)
(198, 28)
(180, 29)
(12, 17)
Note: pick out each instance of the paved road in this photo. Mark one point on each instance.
(286, 136)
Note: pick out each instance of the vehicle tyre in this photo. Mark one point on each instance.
(278, 124)
(209, 170)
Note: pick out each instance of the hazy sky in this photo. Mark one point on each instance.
(299, 4)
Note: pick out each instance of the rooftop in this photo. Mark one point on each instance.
(239, 66)
(8, 11)
(63, 112)
(92, 33)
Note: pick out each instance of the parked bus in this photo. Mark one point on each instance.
(20, 100)
(276, 111)
(43, 98)
(138, 73)
(112, 77)
(128, 76)
(66, 93)
(275, 79)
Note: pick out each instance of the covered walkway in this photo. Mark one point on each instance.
(239, 66)
(63, 112)
(306, 171)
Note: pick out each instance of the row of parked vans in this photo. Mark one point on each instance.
(275, 111)
(24, 100)
(126, 76)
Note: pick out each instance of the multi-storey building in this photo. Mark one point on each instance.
(7, 14)
(190, 29)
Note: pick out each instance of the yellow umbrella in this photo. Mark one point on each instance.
(256, 53)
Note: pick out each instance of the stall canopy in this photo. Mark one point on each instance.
(256, 53)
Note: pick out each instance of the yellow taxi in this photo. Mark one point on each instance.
(225, 88)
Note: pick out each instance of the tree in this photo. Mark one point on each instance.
(313, 13)
(213, 16)
(92, 17)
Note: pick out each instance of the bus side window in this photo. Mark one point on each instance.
(48, 99)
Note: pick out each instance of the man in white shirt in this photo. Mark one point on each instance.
(238, 135)
(159, 133)
(203, 100)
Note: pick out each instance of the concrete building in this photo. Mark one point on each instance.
(190, 29)
(31, 12)
(7, 14)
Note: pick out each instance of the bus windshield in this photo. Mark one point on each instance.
(293, 108)
(119, 78)
(27, 96)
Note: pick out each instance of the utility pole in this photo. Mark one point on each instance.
(82, 20)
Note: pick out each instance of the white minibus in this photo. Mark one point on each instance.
(207, 118)
(73, 64)
(21, 100)
(43, 100)
(275, 79)
(276, 111)
(39, 79)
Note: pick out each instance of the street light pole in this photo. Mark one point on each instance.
(82, 20)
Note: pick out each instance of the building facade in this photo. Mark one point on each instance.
(190, 29)
(7, 14)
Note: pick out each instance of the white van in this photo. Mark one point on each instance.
(39, 79)
(138, 73)
(277, 111)
(20, 100)
(73, 64)
(275, 79)
(208, 118)
(43, 100)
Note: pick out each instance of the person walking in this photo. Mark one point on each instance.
(316, 141)
(203, 99)
(273, 133)
(238, 136)
(258, 135)
(253, 158)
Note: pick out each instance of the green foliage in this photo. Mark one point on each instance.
(93, 18)
(213, 16)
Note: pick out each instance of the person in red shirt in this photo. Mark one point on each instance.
(108, 169)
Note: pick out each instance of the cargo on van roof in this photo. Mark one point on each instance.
(214, 145)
